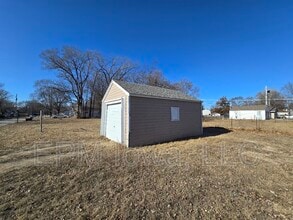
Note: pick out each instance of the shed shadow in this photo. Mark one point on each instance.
(214, 131)
(207, 132)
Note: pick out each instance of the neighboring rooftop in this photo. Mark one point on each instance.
(251, 107)
(136, 89)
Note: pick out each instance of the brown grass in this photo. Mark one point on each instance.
(68, 171)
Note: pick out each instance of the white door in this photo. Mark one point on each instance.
(113, 122)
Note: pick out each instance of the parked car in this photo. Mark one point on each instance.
(59, 116)
(29, 118)
(288, 116)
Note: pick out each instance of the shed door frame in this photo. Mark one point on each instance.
(113, 102)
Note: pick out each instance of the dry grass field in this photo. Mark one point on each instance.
(69, 171)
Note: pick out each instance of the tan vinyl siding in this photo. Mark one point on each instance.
(116, 93)
(151, 120)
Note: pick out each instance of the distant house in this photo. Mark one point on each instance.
(137, 115)
(206, 112)
(260, 112)
(285, 113)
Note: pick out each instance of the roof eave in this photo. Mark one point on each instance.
(166, 98)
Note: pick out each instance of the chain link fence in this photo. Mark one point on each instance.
(273, 125)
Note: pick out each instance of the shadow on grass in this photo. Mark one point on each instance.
(207, 132)
(214, 131)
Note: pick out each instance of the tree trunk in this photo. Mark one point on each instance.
(90, 110)
(58, 110)
(94, 104)
(79, 109)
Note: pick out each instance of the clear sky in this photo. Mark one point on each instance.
(226, 47)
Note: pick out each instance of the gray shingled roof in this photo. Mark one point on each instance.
(249, 107)
(135, 89)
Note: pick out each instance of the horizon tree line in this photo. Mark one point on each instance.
(83, 76)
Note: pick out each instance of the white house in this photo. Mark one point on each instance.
(260, 112)
(206, 112)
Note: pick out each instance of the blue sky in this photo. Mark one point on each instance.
(227, 48)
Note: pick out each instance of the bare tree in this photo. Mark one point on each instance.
(276, 99)
(74, 68)
(96, 88)
(287, 90)
(153, 77)
(187, 87)
(88, 74)
(106, 69)
(222, 106)
(249, 101)
(30, 107)
(241, 101)
(51, 94)
(238, 101)
(4, 95)
(114, 68)
(5, 103)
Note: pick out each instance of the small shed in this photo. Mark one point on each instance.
(136, 115)
(260, 112)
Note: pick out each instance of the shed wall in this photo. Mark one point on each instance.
(115, 93)
(150, 120)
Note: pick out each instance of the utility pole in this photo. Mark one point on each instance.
(16, 108)
(266, 95)
(268, 101)
(41, 120)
